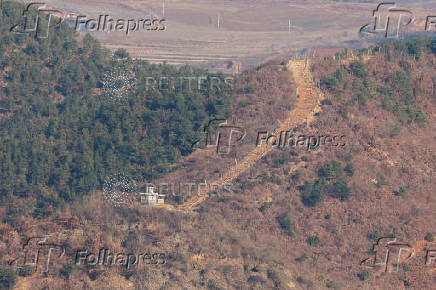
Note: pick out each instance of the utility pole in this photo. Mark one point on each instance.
(218, 15)
(163, 8)
(289, 25)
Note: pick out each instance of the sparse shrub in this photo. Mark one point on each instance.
(359, 70)
(333, 284)
(286, 224)
(223, 199)
(243, 104)
(338, 96)
(417, 211)
(42, 210)
(377, 234)
(66, 270)
(265, 206)
(349, 169)
(401, 84)
(395, 131)
(121, 53)
(302, 258)
(313, 240)
(179, 199)
(127, 274)
(405, 267)
(402, 278)
(26, 271)
(331, 170)
(297, 174)
(372, 251)
(274, 276)
(401, 112)
(256, 279)
(284, 221)
(329, 82)
(429, 237)
(421, 119)
(313, 193)
(343, 111)
(247, 185)
(93, 274)
(381, 180)
(402, 192)
(363, 275)
(326, 102)
(362, 99)
(275, 179)
(8, 277)
(141, 277)
(281, 160)
(339, 189)
(211, 284)
(300, 280)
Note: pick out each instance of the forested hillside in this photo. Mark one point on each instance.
(73, 114)
(395, 85)
(62, 133)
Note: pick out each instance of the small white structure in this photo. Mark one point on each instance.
(150, 197)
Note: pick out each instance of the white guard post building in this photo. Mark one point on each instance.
(150, 197)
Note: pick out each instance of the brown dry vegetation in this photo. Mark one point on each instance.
(234, 241)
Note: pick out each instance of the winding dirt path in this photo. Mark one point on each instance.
(306, 107)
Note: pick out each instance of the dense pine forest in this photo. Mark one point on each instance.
(63, 132)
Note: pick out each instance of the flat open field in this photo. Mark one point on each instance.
(249, 31)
